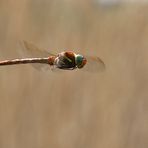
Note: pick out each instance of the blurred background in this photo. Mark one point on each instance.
(75, 109)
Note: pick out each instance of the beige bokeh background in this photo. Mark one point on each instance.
(75, 109)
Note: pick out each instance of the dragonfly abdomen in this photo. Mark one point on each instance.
(51, 60)
(24, 61)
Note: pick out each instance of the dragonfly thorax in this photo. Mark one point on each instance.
(65, 60)
(69, 60)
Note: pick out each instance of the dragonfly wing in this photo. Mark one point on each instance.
(32, 51)
(41, 67)
(94, 64)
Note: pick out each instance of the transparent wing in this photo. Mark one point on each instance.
(32, 51)
(94, 64)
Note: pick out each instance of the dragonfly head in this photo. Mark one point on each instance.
(80, 61)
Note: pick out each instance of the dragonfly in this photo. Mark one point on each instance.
(65, 60)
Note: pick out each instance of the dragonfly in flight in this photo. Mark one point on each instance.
(66, 60)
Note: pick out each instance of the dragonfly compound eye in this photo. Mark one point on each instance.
(80, 61)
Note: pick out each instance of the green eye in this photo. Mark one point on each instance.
(79, 61)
